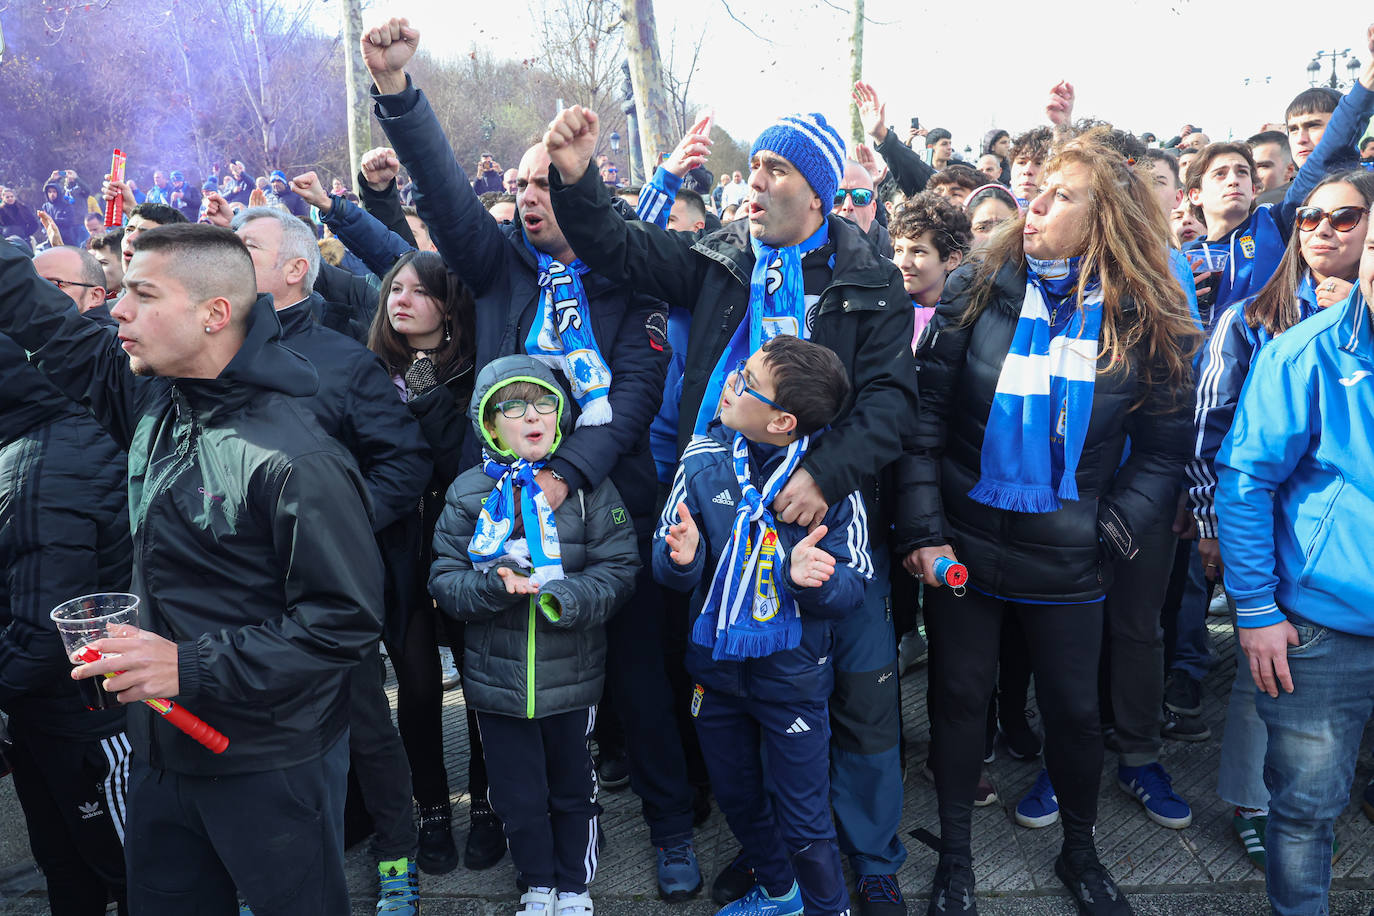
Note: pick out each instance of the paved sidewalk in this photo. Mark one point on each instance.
(1200, 870)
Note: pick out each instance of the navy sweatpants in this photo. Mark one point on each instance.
(543, 788)
(865, 712)
(785, 829)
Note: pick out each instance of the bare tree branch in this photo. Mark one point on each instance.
(731, 13)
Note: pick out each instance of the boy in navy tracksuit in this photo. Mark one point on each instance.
(764, 593)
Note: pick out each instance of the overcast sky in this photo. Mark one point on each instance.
(1143, 64)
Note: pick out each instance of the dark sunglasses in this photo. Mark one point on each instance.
(516, 408)
(1342, 219)
(862, 196)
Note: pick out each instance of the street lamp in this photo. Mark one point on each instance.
(1334, 82)
(615, 141)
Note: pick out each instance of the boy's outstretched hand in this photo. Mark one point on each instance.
(517, 584)
(812, 566)
(683, 538)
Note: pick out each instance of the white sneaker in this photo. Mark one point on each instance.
(1219, 607)
(538, 901)
(448, 671)
(911, 651)
(570, 904)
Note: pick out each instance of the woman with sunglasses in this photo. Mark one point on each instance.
(1319, 269)
(989, 207)
(1070, 336)
(423, 332)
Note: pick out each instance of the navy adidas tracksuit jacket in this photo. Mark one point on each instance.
(778, 702)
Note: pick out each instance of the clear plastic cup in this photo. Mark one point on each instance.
(1209, 259)
(81, 621)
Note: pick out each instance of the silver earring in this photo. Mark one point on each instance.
(207, 330)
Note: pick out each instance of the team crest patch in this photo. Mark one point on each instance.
(1247, 245)
(697, 693)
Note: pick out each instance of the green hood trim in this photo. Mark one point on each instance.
(491, 443)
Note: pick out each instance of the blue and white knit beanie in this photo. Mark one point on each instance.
(810, 144)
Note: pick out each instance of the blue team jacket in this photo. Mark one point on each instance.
(1295, 488)
(705, 481)
(1224, 364)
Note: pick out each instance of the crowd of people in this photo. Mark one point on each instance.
(698, 471)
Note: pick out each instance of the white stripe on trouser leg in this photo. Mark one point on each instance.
(115, 784)
(593, 825)
(589, 859)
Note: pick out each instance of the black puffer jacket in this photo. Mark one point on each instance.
(64, 532)
(1055, 556)
(253, 549)
(519, 660)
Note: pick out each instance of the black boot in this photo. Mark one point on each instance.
(486, 842)
(438, 855)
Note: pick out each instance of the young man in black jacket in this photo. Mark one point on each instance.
(253, 555)
(841, 294)
(64, 532)
(509, 269)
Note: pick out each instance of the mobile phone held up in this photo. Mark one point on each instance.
(915, 123)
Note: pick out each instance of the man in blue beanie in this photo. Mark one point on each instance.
(280, 194)
(788, 268)
(183, 197)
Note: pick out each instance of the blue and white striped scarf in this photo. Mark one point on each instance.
(491, 538)
(777, 305)
(746, 613)
(561, 337)
(1044, 398)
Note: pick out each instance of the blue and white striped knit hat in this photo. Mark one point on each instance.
(810, 144)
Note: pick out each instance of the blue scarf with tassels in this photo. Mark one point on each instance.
(491, 537)
(1044, 398)
(747, 614)
(777, 305)
(561, 337)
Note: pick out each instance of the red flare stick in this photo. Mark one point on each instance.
(114, 208)
(178, 716)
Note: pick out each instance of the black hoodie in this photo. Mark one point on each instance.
(253, 548)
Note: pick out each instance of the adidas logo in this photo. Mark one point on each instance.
(723, 498)
(798, 727)
(89, 810)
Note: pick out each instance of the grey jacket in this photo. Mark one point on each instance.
(526, 657)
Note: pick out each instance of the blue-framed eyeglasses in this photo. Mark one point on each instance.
(740, 388)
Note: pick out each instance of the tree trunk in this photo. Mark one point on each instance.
(203, 160)
(646, 73)
(357, 86)
(856, 71)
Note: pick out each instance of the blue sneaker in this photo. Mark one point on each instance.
(1153, 788)
(679, 876)
(1040, 807)
(758, 903)
(398, 890)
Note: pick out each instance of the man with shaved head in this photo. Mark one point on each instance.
(254, 563)
(607, 343)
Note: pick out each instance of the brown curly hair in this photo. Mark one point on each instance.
(945, 220)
